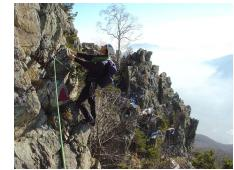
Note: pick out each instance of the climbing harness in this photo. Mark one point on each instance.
(59, 121)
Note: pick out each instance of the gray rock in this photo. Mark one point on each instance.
(21, 77)
(26, 103)
(155, 69)
(40, 148)
(148, 55)
(190, 132)
(27, 26)
(26, 108)
(152, 90)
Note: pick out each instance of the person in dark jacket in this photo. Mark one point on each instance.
(96, 70)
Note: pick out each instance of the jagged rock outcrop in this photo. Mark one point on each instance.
(90, 48)
(141, 82)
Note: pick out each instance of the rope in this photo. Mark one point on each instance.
(59, 121)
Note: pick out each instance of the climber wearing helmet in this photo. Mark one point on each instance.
(96, 70)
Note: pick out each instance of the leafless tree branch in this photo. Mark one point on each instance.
(119, 24)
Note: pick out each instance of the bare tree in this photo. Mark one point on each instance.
(120, 25)
(109, 140)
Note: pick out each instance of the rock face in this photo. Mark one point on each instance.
(161, 106)
(142, 98)
(40, 148)
(27, 26)
(40, 31)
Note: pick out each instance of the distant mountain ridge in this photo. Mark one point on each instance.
(203, 142)
(223, 65)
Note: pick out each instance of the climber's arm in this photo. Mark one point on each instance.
(77, 58)
(92, 57)
(87, 57)
(89, 61)
(86, 64)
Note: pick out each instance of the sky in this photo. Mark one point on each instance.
(193, 44)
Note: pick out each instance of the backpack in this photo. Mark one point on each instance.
(110, 70)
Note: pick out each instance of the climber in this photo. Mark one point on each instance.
(100, 69)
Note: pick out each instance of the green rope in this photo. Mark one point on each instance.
(59, 121)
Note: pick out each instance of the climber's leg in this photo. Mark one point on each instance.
(91, 99)
(80, 102)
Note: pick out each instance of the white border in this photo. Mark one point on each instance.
(7, 67)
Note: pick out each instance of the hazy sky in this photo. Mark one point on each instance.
(189, 43)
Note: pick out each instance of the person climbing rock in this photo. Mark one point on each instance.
(100, 69)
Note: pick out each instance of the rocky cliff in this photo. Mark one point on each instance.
(142, 83)
(141, 104)
(40, 31)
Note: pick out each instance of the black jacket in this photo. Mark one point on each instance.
(96, 70)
